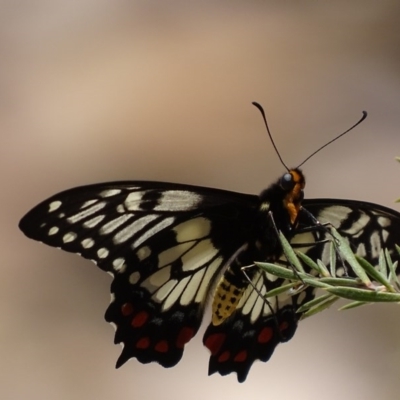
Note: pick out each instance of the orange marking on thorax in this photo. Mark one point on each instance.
(293, 199)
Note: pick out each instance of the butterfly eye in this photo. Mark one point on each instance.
(287, 182)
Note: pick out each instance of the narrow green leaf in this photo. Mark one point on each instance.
(353, 304)
(351, 282)
(308, 261)
(324, 270)
(290, 254)
(383, 264)
(350, 257)
(315, 282)
(364, 294)
(314, 302)
(332, 259)
(280, 272)
(392, 268)
(375, 274)
(280, 289)
(320, 308)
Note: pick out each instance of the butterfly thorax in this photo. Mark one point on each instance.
(280, 205)
(279, 208)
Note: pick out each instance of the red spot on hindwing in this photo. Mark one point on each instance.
(162, 346)
(184, 336)
(224, 356)
(140, 319)
(241, 356)
(283, 326)
(126, 309)
(143, 343)
(214, 342)
(265, 335)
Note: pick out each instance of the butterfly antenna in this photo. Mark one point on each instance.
(336, 138)
(269, 133)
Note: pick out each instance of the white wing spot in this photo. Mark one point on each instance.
(53, 230)
(143, 253)
(134, 277)
(154, 230)
(114, 224)
(205, 284)
(175, 293)
(88, 203)
(249, 303)
(301, 297)
(86, 213)
(199, 255)
(178, 200)
(87, 243)
(160, 295)
(69, 237)
(110, 192)
(156, 280)
(173, 253)
(191, 288)
(119, 265)
(102, 252)
(384, 222)
(126, 233)
(334, 215)
(133, 200)
(94, 221)
(340, 272)
(385, 235)
(265, 206)
(196, 228)
(54, 205)
(120, 208)
(258, 306)
(361, 251)
(375, 244)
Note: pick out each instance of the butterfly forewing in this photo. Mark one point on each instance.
(164, 244)
(367, 227)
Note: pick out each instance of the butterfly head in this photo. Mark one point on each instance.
(293, 183)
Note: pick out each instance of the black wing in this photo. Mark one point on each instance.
(165, 244)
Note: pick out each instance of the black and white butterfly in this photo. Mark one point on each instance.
(173, 247)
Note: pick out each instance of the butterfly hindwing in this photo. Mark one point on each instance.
(257, 327)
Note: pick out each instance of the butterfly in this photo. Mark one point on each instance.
(172, 248)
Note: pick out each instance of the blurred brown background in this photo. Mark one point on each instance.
(105, 90)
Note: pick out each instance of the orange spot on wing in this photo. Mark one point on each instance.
(283, 326)
(214, 342)
(126, 309)
(241, 356)
(184, 336)
(140, 319)
(143, 343)
(162, 346)
(224, 356)
(265, 335)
